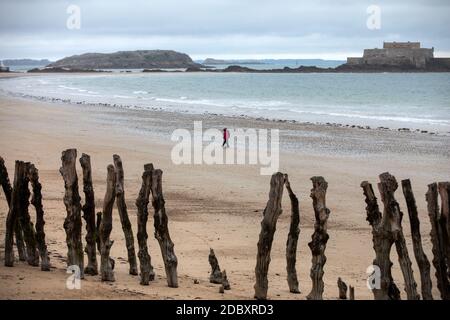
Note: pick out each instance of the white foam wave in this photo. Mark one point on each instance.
(374, 117)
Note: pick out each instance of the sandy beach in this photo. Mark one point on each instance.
(212, 206)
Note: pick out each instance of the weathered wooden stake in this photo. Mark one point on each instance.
(421, 258)
(123, 213)
(216, 274)
(89, 216)
(147, 273)
(387, 187)
(97, 230)
(20, 243)
(319, 238)
(291, 244)
(351, 294)
(439, 258)
(13, 213)
(106, 269)
(29, 233)
(72, 223)
(225, 283)
(268, 226)
(382, 243)
(342, 286)
(162, 230)
(4, 181)
(36, 201)
(7, 189)
(444, 220)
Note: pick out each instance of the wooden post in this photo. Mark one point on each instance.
(98, 223)
(268, 226)
(216, 274)
(89, 216)
(123, 213)
(342, 286)
(421, 258)
(225, 283)
(4, 181)
(97, 230)
(161, 224)
(72, 223)
(351, 294)
(439, 259)
(146, 268)
(29, 233)
(36, 201)
(6, 185)
(291, 244)
(13, 213)
(106, 269)
(382, 244)
(319, 238)
(20, 243)
(444, 220)
(387, 187)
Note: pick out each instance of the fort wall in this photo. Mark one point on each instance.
(395, 54)
(401, 45)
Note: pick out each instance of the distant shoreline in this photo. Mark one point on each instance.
(242, 69)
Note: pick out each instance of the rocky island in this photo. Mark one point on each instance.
(140, 59)
(26, 62)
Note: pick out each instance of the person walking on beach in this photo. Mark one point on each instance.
(226, 136)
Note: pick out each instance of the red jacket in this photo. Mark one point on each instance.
(226, 134)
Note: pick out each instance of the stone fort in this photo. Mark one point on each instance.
(396, 54)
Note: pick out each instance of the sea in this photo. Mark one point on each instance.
(417, 101)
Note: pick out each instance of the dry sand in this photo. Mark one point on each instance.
(212, 206)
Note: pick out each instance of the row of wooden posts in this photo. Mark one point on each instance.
(386, 229)
(386, 232)
(101, 230)
(30, 240)
(317, 245)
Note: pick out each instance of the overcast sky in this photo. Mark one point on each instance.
(220, 28)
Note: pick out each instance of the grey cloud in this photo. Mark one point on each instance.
(205, 27)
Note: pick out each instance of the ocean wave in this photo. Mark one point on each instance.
(87, 94)
(374, 117)
(204, 102)
(242, 104)
(67, 87)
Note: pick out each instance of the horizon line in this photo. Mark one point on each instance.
(272, 56)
